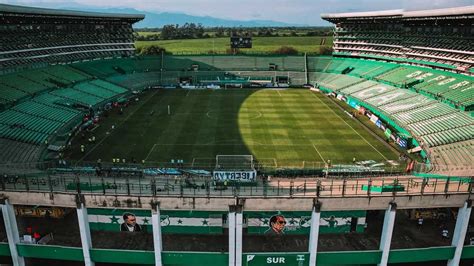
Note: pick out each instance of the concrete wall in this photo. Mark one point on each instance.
(250, 203)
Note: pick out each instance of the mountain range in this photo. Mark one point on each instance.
(158, 20)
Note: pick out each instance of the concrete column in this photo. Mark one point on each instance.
(238, 236)
(11, 229)
(459, 235)
(86, 239)
(314, 233)
(157, 240)
(387, 230)
(232, 226)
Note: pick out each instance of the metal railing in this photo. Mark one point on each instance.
(180, 186)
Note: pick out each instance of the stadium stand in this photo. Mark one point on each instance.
(453, 158)
(41, 96)
(31, 40)
(17, 152)
(408, 36)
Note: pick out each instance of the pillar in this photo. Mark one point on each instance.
(238, 235)
(232, 227)
(314, 233)
(157, 240)
(85, 232)
(460, 230)
(387, 230)
(11, 229)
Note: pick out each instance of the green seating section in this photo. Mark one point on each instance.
(424, 112)
(457, 89)
(360, 68)
(43, 110)
(391, 97)
(136, 81)
(207, 63)
(91, 89)
(34, 120)
(67, 73)
(119, 66)
(17, 152)
(406, 105)
(445, 122)
(16, 86)
(359, 86)
(335, 81)
(460, 153)
(319, 64)
(22, 135)
(10, 94)
(27, 121)
(430, 121)
(449, 136)
(108, 86)
(78, 96)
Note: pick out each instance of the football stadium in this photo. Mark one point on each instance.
(362, 157)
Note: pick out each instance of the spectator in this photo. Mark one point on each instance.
(420, 222)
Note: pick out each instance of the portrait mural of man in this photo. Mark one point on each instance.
(130, 223)
(277, 225)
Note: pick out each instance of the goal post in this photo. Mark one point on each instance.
(238, 168)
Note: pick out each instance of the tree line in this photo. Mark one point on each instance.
(197, 31)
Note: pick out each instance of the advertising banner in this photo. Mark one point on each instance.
(378, 123)
(402, 142)
(374, 118)
(242, 176)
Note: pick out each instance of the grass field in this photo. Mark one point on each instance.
(281, 128)
(260, 44)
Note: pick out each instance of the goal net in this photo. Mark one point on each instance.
(234, 162)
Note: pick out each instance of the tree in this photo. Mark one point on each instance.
(325, 50)
(152, 50)
(286, 50)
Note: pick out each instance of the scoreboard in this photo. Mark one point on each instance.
(240, 42)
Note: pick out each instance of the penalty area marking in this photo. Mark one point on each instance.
(322, 158)
(151, 150)
(349, 126)
(258, 115)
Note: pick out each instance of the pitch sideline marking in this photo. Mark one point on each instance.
(349, 126)
(123, 121)
(314, 146)
(279, 92)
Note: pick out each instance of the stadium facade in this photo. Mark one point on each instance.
(34, 37)
(63, 65)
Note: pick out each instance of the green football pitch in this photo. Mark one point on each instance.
(280, 128)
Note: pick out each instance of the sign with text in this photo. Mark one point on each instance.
(276, 259)
(243, 176)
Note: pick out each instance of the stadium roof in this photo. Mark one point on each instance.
(384, 13)
(456, 11)
(68, 13)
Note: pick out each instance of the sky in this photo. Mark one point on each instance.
(291, 11)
